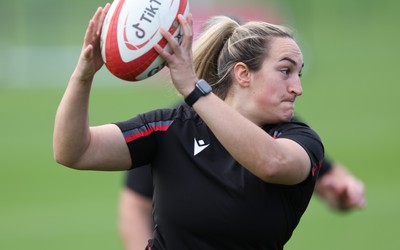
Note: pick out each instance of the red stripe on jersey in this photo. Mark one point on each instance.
(146, 132)
(316, 168)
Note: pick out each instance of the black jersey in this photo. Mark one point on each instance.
(203, 198)
(140, 181)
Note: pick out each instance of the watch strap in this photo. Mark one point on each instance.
(197, 92)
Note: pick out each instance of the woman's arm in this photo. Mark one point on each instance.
(281, 161)
(75, 143)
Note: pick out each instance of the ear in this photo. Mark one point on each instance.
(242, 74)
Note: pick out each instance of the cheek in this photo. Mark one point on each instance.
(267, 96)
(267, 88)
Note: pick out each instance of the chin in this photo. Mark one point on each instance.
(282, 118)
(288, 117)
(278, 118)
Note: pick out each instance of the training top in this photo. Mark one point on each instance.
(139, 180)
(203, 198)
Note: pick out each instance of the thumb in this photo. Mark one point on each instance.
(87, 52)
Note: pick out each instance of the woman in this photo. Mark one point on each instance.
(232, 171)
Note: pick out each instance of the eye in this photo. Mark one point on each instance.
(285, 71)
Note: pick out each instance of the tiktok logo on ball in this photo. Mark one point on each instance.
(147, 16)
(140, 33)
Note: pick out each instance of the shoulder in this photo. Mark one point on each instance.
(159, 118)
(290, 129)
(299, 132)
(302, 134)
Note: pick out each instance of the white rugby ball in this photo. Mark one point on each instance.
(130, 31)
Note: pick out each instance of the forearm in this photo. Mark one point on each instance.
(251, 146)
(71, 129)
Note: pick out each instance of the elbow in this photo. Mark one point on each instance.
(63, 160)
(269, 173)
(281, 173)
(274, 172)
(68, 155)
(274, 176)
(267, 169)
(60, 160)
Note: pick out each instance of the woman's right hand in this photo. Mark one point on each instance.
(90, 60)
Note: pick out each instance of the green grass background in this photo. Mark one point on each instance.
(351, 86)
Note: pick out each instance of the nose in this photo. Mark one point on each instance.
(295, 87)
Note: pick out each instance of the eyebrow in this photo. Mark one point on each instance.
(292, 61)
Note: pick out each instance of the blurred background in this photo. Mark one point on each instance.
(350, 98)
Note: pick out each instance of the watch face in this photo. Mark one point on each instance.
(204, 86)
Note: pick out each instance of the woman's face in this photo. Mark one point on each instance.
(277, 84)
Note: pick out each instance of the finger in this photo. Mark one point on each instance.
(102, 17)
(92, 27)
(171, 40)
(96, 19)
(357, 197)
(89, 34)
(161, 51)
(88, 52)
(187, 29)
(353, 198)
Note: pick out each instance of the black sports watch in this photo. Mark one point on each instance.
(202, 88)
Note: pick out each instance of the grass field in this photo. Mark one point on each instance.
(351, 98)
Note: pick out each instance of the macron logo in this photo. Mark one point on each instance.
(199, 146)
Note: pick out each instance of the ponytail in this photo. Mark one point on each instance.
(208, 46)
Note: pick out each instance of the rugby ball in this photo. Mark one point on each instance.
(130, 31)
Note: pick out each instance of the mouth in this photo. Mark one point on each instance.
(290, 103)
(291, 100)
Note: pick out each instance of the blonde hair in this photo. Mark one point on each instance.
(225, 42)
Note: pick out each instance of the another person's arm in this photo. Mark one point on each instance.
(135, 208)
(340, 189)
(135, 220)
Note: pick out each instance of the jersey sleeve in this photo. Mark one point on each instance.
(326, 163)
(326, 166)
(142, 131)
(305, 137)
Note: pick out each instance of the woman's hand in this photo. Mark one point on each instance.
(90, 60)
(180, 60)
